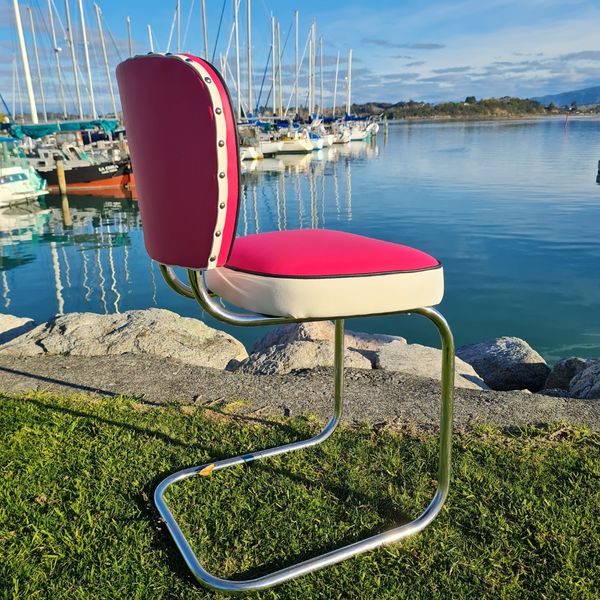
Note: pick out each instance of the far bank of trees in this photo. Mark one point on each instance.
(493, 107)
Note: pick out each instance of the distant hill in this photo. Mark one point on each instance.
(492, 107)
(586, 96)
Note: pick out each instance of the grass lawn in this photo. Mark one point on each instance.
(522, 519)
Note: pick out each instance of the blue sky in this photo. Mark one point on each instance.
(424, 50)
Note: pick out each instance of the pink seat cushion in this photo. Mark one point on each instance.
(309, 253)
(314, 273)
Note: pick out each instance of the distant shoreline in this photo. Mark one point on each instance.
(526, 117)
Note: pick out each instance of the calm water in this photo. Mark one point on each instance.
(511, 209)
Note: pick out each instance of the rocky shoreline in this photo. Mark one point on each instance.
(158, 356)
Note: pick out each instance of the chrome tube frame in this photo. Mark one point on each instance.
(175, 283)
(203, 297)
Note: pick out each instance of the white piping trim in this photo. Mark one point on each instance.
(220, 134)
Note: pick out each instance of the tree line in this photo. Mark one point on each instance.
(492, 107)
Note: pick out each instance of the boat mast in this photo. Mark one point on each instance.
(296, 82)
(321, 73)
(249, 64)
(129, 36)
(110, 87)
(34, 116)
(178, 25)
(279, 67)
(14, 90)
(150, 39)
(56, 51)
(349, 82)
(314, 64)
(237, 62)
(73, 59)
(37, 64)
(273, 57)
(337, 65)
(18, 93)
(204, 25)
(310, 75)
(87, 61)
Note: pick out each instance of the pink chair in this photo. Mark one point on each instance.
(183, 140)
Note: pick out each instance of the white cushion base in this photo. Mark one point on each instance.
(314, 298)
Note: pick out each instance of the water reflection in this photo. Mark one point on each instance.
(82, 241)
(85, 253)
(21, 231)
(513, 216)
(300, 180)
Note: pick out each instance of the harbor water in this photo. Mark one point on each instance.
(510, 207)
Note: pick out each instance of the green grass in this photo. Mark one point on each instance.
(522, 520)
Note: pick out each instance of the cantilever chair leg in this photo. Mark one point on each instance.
(236, 587)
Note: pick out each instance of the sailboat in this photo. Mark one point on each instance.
(295, 141)
(19, 181)
(86, 168)
(84, 172)
(249, 144)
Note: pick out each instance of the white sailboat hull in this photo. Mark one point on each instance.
(297, 146)
(252, 153)
(270, 147)
(328, 140)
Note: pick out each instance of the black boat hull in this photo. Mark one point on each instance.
(92, 177)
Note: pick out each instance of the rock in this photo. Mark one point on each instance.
(587, 383)
(564, 371)
(12, 327)
(155, 331)
(554, 393)
(506, 363)
(424, 362)
(365, 343)
(283, 358)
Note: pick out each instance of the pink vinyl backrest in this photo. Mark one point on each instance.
(182, 137)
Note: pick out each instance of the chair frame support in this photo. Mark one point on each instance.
(199, 292)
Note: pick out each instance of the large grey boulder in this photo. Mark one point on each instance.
(365, 343)
(283, 358)
(506, 363)
(12, 327)
(587, 383)
(425, 362)
(564, 371)
(155, 331)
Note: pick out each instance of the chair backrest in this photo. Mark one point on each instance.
(183, 140)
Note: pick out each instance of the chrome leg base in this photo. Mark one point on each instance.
(278, 577)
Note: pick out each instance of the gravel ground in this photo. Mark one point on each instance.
(375, 397)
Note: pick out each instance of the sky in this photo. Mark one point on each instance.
(425, 50)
